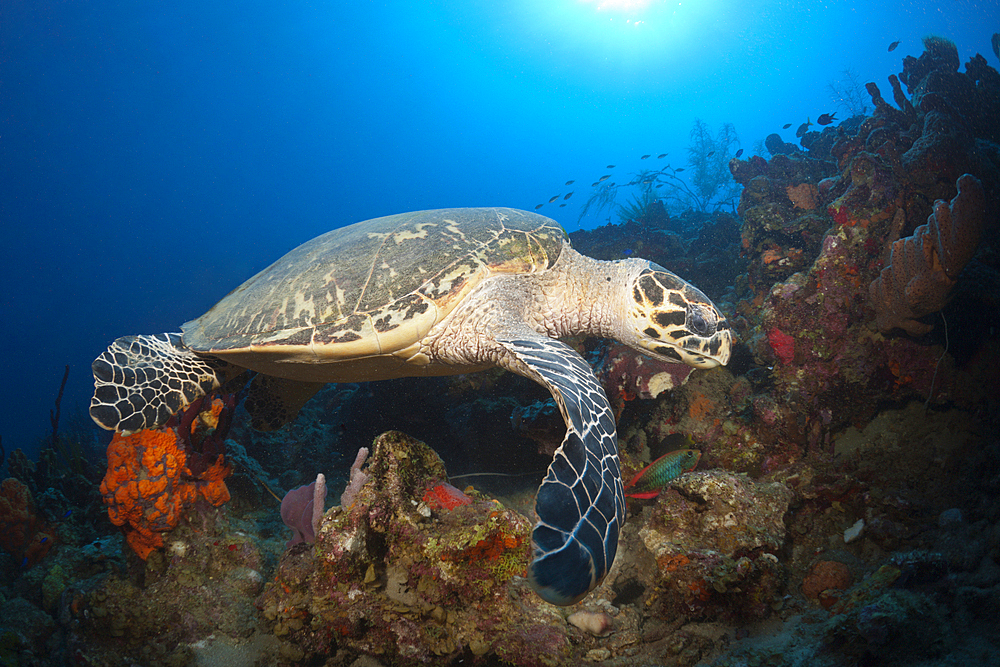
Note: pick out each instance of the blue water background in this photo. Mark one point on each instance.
(153, 155)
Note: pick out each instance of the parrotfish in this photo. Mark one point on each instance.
(651, 479)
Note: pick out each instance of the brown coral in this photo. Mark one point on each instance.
(924, 267)
(826, 575)
(805, 196)
(148, 485)
(22, 533)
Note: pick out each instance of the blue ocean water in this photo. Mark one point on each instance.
(153, 155)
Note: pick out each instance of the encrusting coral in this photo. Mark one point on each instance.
(924, 267)
(149, 484)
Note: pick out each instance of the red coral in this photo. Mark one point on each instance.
(22, 533)
(626, 374)
(149, 485)
(782, 344)
(445, 497)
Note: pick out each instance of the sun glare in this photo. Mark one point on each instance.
(618, 5)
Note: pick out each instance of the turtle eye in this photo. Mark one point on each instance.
(699, 321)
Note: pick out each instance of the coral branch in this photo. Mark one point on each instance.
(54, 414)
(923, 267)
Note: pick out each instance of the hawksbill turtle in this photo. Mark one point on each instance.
(436, 292)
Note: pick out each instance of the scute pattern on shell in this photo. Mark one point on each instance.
(385, 281)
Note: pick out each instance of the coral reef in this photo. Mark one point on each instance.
(413, 581)
(715, 537)
(198, 591)
(923, 268)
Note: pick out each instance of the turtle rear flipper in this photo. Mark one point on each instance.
(141, 381)
(580, 504)
(273, 402)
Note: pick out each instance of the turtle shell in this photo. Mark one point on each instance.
(371, 289)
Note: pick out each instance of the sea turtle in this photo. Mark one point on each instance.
(436, 292)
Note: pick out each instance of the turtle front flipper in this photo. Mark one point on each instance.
(140, 381)
(580, 504)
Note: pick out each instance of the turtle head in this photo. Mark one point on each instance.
(675, 321)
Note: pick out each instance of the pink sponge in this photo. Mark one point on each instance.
(299, 510)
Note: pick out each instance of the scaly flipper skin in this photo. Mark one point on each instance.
(580, 504)
(140, 381)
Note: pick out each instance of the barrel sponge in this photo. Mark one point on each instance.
(924, 267)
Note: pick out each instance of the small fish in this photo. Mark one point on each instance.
(66, 514)
(710, 153)
(892, 47)
(679, 169)
(739, 152)
(662, 155)
(539, 206)
(803, 128)
(651, 479)
(562, 205)
(644, 157)
(24, 562)
(628, 251)
(610, 166)
(995, 41)
(568, 195)
(827, 118)
(570, 182)
(595, 184)
(43, 540)
(786, 126)
(554, 198)
(603, 178)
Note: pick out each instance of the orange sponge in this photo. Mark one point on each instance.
(148, 485)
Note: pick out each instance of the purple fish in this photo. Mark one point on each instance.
(651, 479)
